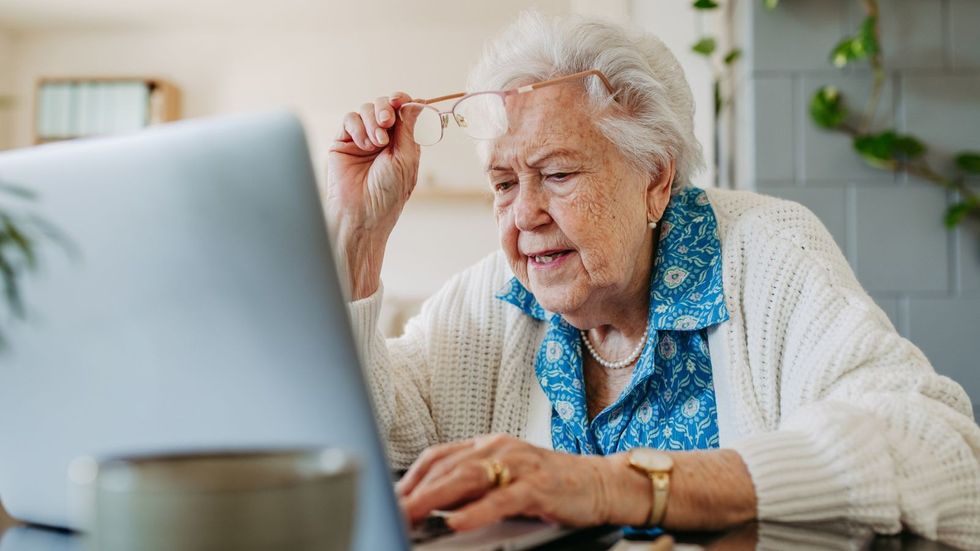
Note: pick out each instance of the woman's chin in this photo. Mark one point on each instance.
(559, 299)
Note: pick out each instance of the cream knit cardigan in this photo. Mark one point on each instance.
(837, 416)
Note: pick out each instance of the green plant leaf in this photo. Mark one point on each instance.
(845, 52)
(827, 107)
(886, 149)
(11, 289)
(770, 4)
(705, 4)
(956, 213)
(906, 147)
(705, 46)
(16, 190)
(867, 40)
(19, 240)
(860, 46)
(732, 56)
(877, 149)
(968, 161)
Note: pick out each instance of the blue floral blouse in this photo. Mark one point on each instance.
(669, 403)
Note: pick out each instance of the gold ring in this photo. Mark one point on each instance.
(491, 472)
(497, 473)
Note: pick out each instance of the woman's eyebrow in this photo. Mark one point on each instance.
(542, 156)
(556, 153)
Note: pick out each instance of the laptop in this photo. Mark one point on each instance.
(197, 308)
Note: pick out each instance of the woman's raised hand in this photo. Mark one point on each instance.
(372, 168)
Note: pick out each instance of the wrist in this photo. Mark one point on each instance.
(710, 490)
(360, 256)
(630, 498)
(692, 502)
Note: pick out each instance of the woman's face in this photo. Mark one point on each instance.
(571, 211)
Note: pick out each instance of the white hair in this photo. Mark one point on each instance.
(654, 120)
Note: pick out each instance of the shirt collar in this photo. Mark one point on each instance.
(686, 291)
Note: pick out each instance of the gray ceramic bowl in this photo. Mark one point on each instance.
(269, 500)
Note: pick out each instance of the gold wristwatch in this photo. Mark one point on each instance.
(657, 465)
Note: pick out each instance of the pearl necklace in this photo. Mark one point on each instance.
(621, 363)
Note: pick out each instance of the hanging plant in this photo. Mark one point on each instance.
(882, 149)
(20, 235)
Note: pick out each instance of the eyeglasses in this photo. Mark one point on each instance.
(481, 115)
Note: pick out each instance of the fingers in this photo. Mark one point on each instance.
(495, 506)
(447, 463)
(439, 460)
(384, 113)
(473, 476)
(457, 473)
(397, 99)
(355, 129)
(424, 463)
(386, 108)
(369, 127)
(465, 482)
(369, 117)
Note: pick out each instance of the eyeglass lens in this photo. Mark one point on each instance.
(481, 116)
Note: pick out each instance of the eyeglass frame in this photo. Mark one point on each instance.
(444, 115)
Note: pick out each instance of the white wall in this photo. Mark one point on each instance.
(679, 26)
(6, 88)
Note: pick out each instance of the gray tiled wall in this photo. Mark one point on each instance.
(925, 278)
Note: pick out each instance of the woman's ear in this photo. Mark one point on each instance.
(658, 191)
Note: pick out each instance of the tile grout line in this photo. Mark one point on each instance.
(905, 315)
(796, 130)
(947, 26)
(953, 246)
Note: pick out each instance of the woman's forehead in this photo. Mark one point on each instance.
(546, 124)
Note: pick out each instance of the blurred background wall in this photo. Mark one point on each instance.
(6, 89)
(322, 58)
(890, 226)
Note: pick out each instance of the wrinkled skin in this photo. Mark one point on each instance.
(560, 184)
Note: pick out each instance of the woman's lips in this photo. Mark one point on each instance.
(549, 259)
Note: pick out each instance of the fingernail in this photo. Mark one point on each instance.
(384, 116)
(381, 135)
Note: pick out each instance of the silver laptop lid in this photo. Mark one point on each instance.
(203, 311)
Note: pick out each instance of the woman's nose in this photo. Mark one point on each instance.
(530, 208)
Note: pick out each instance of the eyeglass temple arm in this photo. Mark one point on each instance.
(566, 78)
(535, 86)
(440, 98)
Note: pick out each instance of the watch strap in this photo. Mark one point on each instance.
(660, 484)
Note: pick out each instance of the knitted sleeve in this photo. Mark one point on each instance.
(437, 382)
(862, 427)
(397, 376)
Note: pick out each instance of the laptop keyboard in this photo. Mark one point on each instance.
(434, 526)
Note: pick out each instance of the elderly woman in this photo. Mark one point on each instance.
(643, 351)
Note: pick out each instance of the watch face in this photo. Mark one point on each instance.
(650, 460)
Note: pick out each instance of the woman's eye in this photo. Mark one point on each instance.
(501, 187)
(559, 176)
